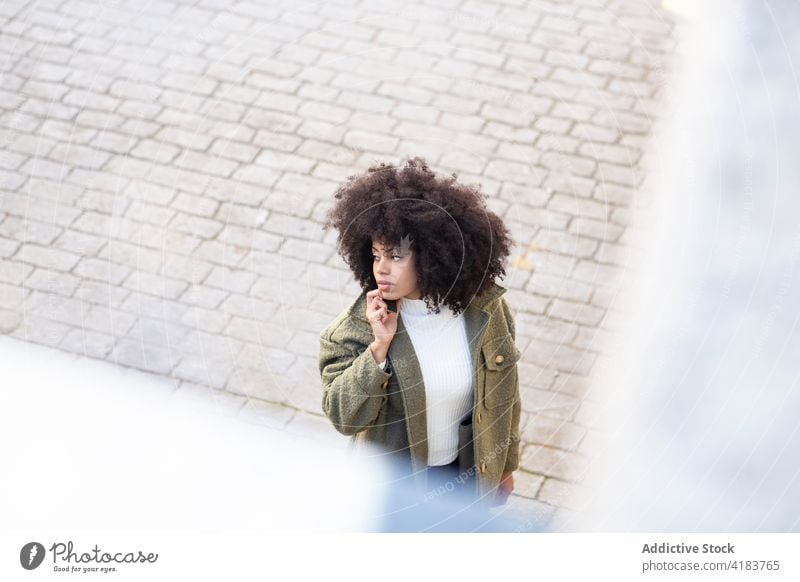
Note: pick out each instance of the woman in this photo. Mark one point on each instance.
(434, 383)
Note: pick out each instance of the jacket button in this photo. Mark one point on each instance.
(479, 418)
(499, 359)
(483, 467)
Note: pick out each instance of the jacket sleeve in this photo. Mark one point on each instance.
(512, 458)
(353, 385)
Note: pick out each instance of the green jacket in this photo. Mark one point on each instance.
(388, 408)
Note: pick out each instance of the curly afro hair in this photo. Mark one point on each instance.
(460, 246)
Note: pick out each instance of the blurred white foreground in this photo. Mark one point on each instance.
(87, 445)
(703, 402)
(90, 446)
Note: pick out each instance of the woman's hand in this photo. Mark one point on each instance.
(382, 321)
(504, 489)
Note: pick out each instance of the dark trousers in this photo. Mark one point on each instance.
(459, 475)
(439, 475)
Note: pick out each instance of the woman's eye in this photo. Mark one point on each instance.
(376, 258)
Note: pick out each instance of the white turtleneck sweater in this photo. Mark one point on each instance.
(442, 349)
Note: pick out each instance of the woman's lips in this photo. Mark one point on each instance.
(384, 286)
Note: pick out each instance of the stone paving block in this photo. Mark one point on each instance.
(248, 307)
(613, 254)
(47, 258)
(8, 247)
(79, 243)
(44, 211)
(100, 293)
(598, 229)
(206, 163)
(597, 274)
(624, 217)
(203, 371)
(88, 343)
(276, 266)
(13, 297)
(265, 356)
(573, 384)
(257, 384)
(188, 268)
(518, 152)
(251, 238)
(595, 339)
(268, 333)
(553, 264)
(203, 296)
(304, 318)
(38, 189)
(10, 320)
(554, 462)
(98, 223)
(561, 357)
(234, 150)
(163, 239)
(579, 206)
(144, 356)
(305, 396)
(222, 253)
(162, 332)
(254, 174)
(527, 302)
(151, 306)
(605, 295)
(207, 320)
(546, 402)
(544, 327)
(102, 270)
(108, 320)
(236, 281)
(527, 484)
(11, 180)
(22, 230)
(558, 241)
(149, 213)
(575, 312)
(305, 343)
(552, 432)
(305, 250)
(40, 330)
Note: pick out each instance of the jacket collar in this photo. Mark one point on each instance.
(409, 375)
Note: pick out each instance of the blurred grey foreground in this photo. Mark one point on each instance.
(705, 396)
(87, 445)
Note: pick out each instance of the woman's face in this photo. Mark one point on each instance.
(395, 266)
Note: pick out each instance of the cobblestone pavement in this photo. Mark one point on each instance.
(166, 167)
